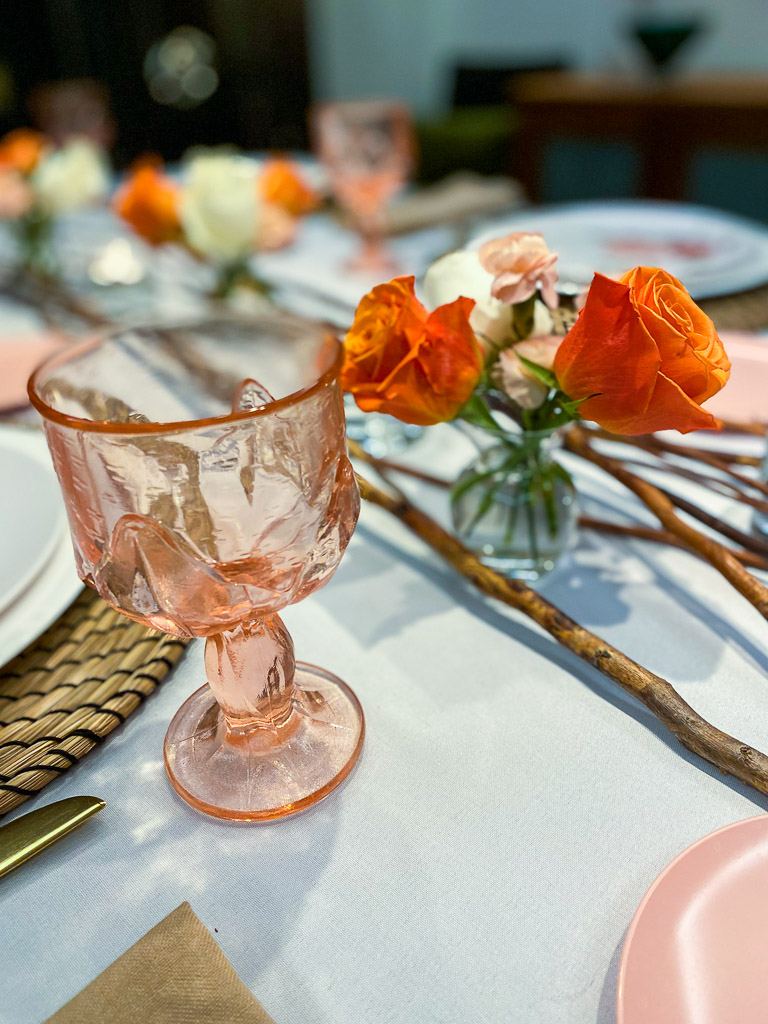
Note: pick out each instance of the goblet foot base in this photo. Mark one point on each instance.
(265, 773)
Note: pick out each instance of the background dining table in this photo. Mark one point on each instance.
(511, 806)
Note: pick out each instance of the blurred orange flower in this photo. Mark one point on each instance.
(418, 366)
(21, 149)
(149, 202)
(281, 183)
(646, 352)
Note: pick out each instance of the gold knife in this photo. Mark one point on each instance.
(28, 835)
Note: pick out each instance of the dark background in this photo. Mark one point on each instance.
(261, 61)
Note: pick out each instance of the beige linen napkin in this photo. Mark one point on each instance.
(176, 974)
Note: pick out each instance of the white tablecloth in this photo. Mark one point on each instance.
(484, 860)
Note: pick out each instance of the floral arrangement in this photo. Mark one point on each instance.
(224, 208)
(640, 357)
(40, 181)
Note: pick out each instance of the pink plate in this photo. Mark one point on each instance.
(697, 948)
(744, 397)
(19, 355)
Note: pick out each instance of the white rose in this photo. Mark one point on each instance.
(71, 177)
(460, 273)
(220, 207)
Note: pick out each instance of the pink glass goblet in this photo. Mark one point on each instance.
(367, 148)
(205, 472)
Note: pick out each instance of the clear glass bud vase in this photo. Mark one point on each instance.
(515, 505)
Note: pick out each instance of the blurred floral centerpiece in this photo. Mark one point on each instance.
(39, 182)
(224, 208)
(640, 357)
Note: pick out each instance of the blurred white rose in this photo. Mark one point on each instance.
(460, 273)
(220, 207)
(72, 176)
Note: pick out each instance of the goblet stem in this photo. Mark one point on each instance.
(267, 737)
(374, 253)
(250, 670)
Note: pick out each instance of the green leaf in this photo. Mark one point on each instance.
(539, 372)
(572, 407)
(523, 318)
(475, 411)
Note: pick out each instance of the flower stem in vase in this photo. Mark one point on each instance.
(515, 505)
(236, 276)
(34, 234)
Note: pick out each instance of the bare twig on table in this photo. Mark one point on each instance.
(661, 504)
(685, 450)
(749, 558)
(726, 753)
(655, 445)
(649, 533)
(734, 427)
(41, 294)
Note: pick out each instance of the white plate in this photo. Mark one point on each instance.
(31, 515)
(712, 253)
(37, 572)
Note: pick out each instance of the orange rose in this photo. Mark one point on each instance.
(646, 352)
(281, 183)
(21, 149)
(420, 367)
(149, 202)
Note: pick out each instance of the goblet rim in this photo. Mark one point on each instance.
(155, 427)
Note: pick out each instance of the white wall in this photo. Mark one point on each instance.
(405, 48)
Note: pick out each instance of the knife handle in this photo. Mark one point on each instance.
(26, 836)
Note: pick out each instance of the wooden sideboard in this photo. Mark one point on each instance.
(666, 121)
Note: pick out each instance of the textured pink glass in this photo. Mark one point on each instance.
(367, 148)
(207, 484)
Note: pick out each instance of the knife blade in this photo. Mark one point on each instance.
(28, 835)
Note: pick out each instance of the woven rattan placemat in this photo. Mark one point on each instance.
(69, 689)
(747, 311)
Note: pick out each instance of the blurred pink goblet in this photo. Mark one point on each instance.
(205, 473)
(367, 149)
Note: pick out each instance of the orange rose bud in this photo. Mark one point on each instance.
(417, 366)
(281, 183)
(21, 149)
(149, 202)
(646, 352)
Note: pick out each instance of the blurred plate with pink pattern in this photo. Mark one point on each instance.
(711, 252)
(696, 949)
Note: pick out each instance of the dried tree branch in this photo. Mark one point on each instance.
(661, 504)
(657, 446)
(735, 427)
(726, 753)
(649, 533)
(636, 531)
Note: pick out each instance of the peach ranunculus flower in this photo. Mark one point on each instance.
(149, 202)
(643, 355)
(520, 263)
(282, 184)
(22, 149)
(16, 195)
(400, 359)
(516, 380)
